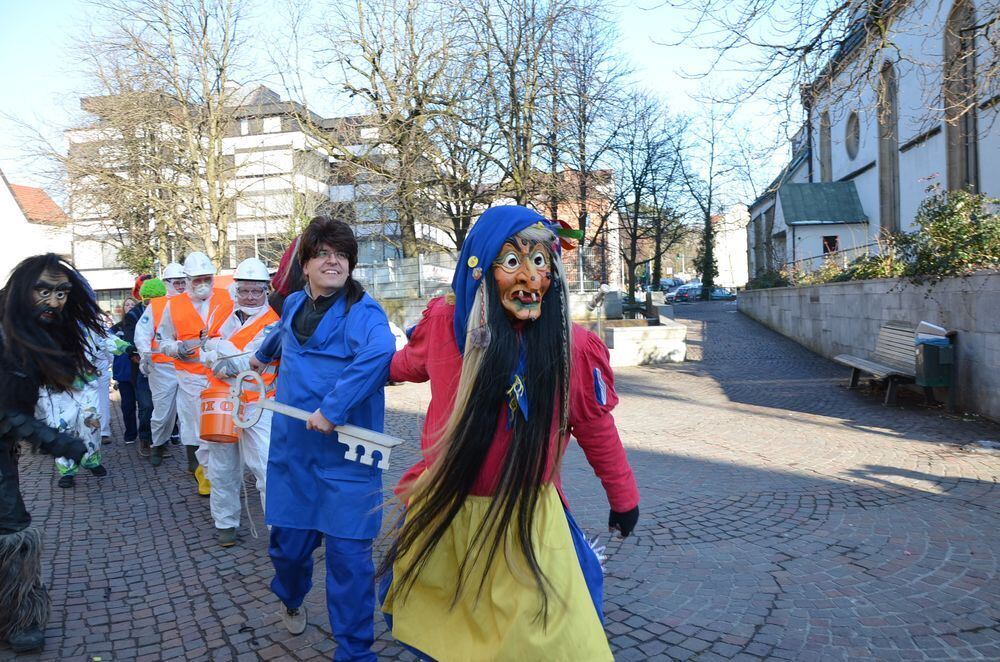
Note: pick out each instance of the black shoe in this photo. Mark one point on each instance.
(28, 640)
(129, 440)
(105, 439)
(156, 456)
(226, 537)
(66, 481)
(98, 471)
(191, 458)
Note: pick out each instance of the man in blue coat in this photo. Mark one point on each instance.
(335, 346)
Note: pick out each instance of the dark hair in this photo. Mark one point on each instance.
(531, 459)
(125, 312)
(57, 353)
(338, 236)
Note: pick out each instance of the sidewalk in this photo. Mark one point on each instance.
(783, 517)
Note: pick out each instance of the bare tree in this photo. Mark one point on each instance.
(592, 81)
(150, 162)
(640, 156)
(514, 41)
(463, 156)
(394, 59)
(123, 182)
(790, 48)
(702, 144)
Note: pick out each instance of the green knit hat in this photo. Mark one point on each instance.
(152, 288)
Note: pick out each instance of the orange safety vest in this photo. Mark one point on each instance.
(188, 324)
(158, 305)
(240, 340)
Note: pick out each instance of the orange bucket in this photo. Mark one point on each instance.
(217, 416)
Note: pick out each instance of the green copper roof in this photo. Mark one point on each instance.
(819, 203)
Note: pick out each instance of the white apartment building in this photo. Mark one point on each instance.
(279, 173)
(876, 136)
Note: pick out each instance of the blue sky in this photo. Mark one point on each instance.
(39, 85)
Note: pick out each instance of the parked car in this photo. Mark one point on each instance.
(687, 293)
(670, 284)
(722, 294)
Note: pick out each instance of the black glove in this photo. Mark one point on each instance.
(623, 522)
(70, 448)
(40, 436)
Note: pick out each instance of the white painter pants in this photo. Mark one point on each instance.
(163, 387)
(104, 400)
(189, 388)
(225, 470)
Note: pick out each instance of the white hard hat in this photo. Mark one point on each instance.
(198, 264)
(251, 269)
(172, 270)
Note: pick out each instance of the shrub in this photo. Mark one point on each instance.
(768, 279)
(827, 272)
(957, 233)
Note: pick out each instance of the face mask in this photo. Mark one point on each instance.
(251, 310)
(523, 274)
(202, 290)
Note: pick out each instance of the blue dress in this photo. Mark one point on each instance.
(342, 370)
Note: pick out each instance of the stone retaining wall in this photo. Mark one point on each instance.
(844, 318)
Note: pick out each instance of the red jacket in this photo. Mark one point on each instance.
(432, 354)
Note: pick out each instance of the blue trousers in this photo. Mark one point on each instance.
(126, 391)
(144, 403)
(350, 584)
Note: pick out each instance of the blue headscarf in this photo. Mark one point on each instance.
(482, 244)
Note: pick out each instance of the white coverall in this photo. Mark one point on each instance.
(227, 461)
(189, 384)
(102, 361)
(68, 411)
(162, 381)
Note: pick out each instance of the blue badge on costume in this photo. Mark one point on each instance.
(600, 388)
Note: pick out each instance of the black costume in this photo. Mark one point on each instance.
(22, 594)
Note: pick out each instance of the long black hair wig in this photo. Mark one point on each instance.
(532, 458)
(56, 353)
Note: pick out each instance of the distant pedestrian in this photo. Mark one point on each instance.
(121, 372)
(158, 368)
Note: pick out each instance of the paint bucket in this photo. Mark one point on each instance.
(217, 416)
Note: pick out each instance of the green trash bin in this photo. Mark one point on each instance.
(934, 364)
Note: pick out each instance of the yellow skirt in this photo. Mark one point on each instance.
(503, 622)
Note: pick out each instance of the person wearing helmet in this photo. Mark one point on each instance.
(157, 366)
(251, 321)
(175, 280)
(187, 320)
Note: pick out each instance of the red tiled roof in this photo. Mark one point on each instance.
(37, 206)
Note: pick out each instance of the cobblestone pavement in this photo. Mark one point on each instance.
(783, 517)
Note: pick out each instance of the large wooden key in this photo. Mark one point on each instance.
(363, 445)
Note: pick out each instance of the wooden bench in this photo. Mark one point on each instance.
(894, 359)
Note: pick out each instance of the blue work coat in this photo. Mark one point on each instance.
(342, 370)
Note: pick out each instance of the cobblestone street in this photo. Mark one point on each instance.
(783, 517)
